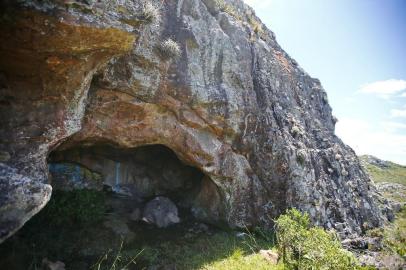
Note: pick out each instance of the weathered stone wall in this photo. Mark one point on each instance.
(233, 105)
(142, 173)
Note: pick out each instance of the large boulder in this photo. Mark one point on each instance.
(20, 199)
(232, 104)
(161, 211)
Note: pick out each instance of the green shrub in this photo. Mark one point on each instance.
(73, 207)
(304, 247)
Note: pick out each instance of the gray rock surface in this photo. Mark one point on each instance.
(382, 260)
(233, 104)
(396, 194)
(161, 211)
(20, 199)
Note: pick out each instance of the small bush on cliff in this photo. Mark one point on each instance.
(304, 247)
(169, 49)
(150, 14)
(256, 25)
(227, 8)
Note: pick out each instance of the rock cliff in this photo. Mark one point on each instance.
(232, 104)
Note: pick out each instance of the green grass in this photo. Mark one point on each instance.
(241, 261)
(395, 234)
(222, 250)
(394, 173)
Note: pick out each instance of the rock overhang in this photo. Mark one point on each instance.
(234, 105)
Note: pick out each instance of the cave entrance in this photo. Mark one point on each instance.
(147, 183)
(98, 204)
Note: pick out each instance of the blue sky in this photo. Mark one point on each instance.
(357, 48)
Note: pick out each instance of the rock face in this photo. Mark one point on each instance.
(233, 105)
(396, 194)
(20, 198)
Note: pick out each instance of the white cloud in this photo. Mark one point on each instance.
(384, 89)
(393, 126)
(398, 113)
(383, 143)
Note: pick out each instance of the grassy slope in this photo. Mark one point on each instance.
(394, 234)
(394, 173)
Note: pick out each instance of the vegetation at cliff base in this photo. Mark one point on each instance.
(304, 247)
(300, 246)
(395, 234)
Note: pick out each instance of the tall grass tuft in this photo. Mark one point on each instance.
(150, 14)
(169, 49)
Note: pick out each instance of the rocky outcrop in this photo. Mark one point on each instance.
(368, 159)
(20, 198)
(233, 105)
(395, 193)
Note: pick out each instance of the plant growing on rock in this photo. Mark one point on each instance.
(296, 131)
(257, 28)
(256, 25)
(220, 4)
(301, 156)
(150, 13)
(227, 8)
(304, 247)
(169, 49)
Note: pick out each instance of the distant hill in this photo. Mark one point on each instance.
(384, 171)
